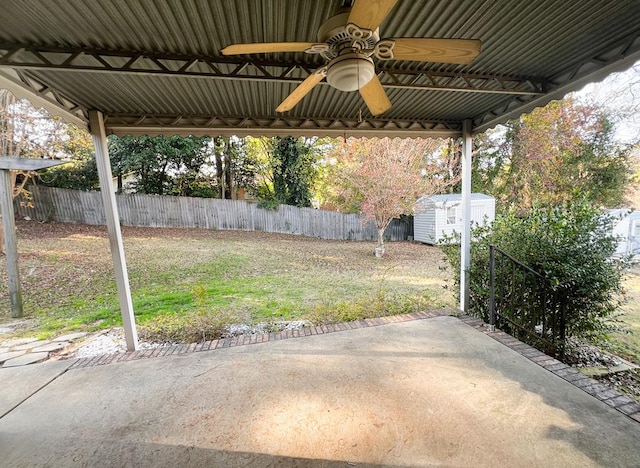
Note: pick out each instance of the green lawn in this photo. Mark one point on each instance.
(185, 280)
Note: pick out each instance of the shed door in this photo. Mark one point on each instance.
(634, 241)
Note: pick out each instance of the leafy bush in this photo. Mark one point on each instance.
(571, 245)
(79, 174)
(201, 187)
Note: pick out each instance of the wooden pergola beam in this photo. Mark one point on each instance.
(8, 164)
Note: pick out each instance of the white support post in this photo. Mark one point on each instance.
(98, 133)
(465, 244)
(10, 243)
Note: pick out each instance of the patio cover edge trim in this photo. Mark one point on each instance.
(292, 131)
(564, 83)
(40, 100)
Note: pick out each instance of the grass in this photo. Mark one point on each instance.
(627, 343)
(188, 282)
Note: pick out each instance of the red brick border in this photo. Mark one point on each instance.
(624, 404)
(244, 340)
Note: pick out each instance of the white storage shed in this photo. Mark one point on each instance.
(437, 216)
(627, 230)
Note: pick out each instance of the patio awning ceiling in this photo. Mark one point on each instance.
(155, 66)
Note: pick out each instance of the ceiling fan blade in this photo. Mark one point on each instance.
(302, 90)
(375, 96)
(368, 14)
(266, 47)
(422, 49)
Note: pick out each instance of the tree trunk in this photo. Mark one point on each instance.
(219, 175)
(380, 246)
(227, 169)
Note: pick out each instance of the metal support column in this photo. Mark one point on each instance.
(10, 243)
(492, 288)
(96, 125)
(465, 244)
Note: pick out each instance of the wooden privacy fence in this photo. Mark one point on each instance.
(75, 206)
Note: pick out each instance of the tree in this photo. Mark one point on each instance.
(161, 165)
(382, 178)
(293, 171)
(81, 173)
(619, 96)
(285, 169)
(183, 166)
(553, 155)
(223, 166)
(29, 132)
(17, 121)
(243, 166)
(234, 169)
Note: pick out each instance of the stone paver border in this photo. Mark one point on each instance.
(27, 351)
(622, 403)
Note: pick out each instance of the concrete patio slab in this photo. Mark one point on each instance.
(30, 345)
(53, 346)
(26, 359)
(70, 336)
(18, 383)
(18, 342)
(10, 355)
(423, 393)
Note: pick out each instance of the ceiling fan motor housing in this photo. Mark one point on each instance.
(350, 71)
(334, 33)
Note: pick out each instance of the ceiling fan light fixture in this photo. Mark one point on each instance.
(350, 71)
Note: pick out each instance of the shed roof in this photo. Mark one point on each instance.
(155, 66)
(623, 213)
(451, 197)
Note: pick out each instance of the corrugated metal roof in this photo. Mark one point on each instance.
(552, 44)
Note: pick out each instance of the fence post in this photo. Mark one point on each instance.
(492, 288)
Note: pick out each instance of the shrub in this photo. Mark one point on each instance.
(190, 328)
(571, 245)
(381, 303)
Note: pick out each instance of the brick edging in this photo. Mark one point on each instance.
(244, 340)
(623, 403)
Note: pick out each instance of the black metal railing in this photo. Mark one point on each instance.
(524, 303)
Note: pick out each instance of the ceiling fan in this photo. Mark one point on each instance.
(348, 42)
